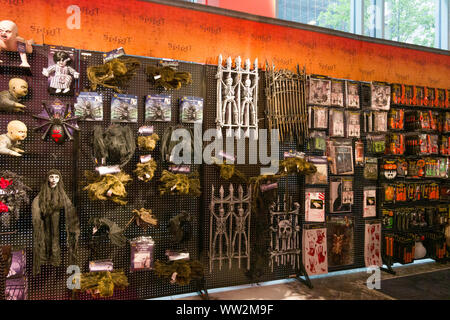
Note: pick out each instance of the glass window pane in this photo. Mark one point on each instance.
(411, 21)
(334, 14)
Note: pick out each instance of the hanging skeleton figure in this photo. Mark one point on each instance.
(237, 100)
(46, 210)
(285, 234)
(229, 236)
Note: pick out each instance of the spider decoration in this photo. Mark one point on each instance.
(87, 110)
(60, 124)
(124, 111)
(157, 112)
(190, 111)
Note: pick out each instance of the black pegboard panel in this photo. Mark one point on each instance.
(143, 284)
(73, 158)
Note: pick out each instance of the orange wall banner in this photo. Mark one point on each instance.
(164, 31)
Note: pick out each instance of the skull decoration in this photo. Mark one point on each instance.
(284, 229)
(390, 170)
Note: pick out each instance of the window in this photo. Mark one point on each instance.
(421, 22)
(334, 14)
(411, 21)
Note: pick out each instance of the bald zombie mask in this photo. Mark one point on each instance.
(10, 41)
(9, 99)
(9, 142)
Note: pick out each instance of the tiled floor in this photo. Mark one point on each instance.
(335, 286)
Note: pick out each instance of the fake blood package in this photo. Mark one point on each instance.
(372, 244)
(370, 202)
(315, 205)
(315, 249)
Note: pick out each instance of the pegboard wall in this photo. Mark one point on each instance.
(73, 158)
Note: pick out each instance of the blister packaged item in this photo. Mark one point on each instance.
(321, 175)
(422, 144)
(124, 108)
(319, 91)
(315, 205)
(376, 144)
(336, 123)
(396, 119)
(340, 231)
(397, 92)
(402, 167)
(375, 121)
(400, 192)
(380, 96)
(420, 95)
(395, 144)
(317, 141)
(388, 192)
(341, 154)
(441, 98)
(429, 97)
(388, 169)
(359, 153)
(341, 194)
(89, 106)
(337, 93)
(318, 117)
(61, 75)
(315, 251)
(445, 122)
(410, 98)
(191, 110)
(387, 218)
(416, 168)
(422, 120)
(352, 94)
(142, 249)
(370, 202)
(444, 145)
(371, 168)
(158, 107)
(443, 167)
(372, 244)
(431, 168)
(353, 124)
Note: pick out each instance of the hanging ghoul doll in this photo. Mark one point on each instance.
(46, 209)
(61, 81)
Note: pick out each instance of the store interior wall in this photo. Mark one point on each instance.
(157, 29)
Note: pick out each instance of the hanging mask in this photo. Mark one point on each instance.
(390, 169)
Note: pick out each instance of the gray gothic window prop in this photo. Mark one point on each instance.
(229, 227)
(237, 97)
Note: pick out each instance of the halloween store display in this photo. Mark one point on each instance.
(359, 178)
